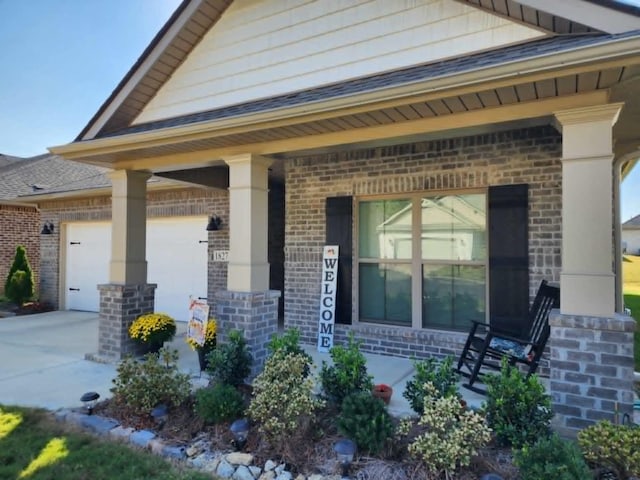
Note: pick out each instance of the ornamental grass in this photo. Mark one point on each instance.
(153, 328)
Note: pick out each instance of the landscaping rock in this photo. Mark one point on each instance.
(255, 471)
(121, 433)
(225, 469)
(177, 453)
(270, 465)
(142, 438)
(243, 473)
(97, 424)
(270, 475)
(285, 476)
(239, 458)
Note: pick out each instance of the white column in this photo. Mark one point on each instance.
(129, 224)
(587, 284)
(248, 269)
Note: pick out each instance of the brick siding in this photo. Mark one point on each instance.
(19, 226)
(529, 156)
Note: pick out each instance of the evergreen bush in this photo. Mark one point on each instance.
(365, 420)
(230, 362)
(283, 403)
(614, 447)
(219, 403)
(517, 408)
(448, 436)
(156, 380)
(348, 374)
(551, 458)
(289, 342)
(18, 286)
(440, 374)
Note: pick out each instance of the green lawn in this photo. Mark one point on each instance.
(631, 279)
(34, 447)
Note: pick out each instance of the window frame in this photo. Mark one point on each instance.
(416, 261)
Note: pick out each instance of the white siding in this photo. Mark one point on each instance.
(262, 48)
(631, 237)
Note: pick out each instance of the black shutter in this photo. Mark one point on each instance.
(509, 257)
(339, 218)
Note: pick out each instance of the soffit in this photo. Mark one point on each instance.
(530, 16)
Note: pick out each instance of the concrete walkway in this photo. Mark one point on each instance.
(42, 362)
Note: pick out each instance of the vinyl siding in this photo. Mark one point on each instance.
(264, 48)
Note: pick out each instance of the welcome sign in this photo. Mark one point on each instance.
(328, 297)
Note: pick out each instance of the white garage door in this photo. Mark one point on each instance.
(176, 262)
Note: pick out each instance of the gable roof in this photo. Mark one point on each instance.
(194, 18)
(632, 224)
(484, 60)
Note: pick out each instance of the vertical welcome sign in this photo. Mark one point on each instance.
(328, 297)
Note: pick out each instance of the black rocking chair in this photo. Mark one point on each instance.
(486, 346)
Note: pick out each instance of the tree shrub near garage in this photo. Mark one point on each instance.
(364, 419)
(19, 284)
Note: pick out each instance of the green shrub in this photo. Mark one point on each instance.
(615, 447)
(448, 436)
(517, 408)
(141, 385)
(440, 374)
(230, 362)
(364, 419)
(551, 458)
(348, 374)
(219, 403)
(289, 342)
(283, 403)
(18, 286)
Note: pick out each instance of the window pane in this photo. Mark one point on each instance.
(385, 293)
(385, 229)
(454, 227)
(452, 295)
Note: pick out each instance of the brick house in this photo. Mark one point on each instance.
(20, 221)
(457, 152)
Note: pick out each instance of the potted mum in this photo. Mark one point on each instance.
(208, 345)
(153, 329)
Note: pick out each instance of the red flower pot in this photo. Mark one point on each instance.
(383, 392)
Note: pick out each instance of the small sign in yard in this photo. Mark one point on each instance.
(198, 318)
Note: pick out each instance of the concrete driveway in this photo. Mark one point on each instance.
(42, 359)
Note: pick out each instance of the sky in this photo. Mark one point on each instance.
(61, 59)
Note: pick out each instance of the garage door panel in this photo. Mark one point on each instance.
(176, 253)
(87, 253)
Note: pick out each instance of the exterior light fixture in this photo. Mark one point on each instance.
(90, 399)
(47, 229)
(240, 431)
(214, 223)
(345, 449)
(160, 414)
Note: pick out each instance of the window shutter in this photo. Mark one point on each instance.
(509, 257)
(339, 231)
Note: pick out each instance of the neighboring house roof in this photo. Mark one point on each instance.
(48, 173)
(7, 160)
(632, 224)
(194, 18)
(535, 49)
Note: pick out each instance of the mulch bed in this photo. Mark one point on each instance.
(309, 452)
(28, 308)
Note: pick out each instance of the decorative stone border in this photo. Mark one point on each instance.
(197, 455)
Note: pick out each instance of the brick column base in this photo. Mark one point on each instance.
(591, 369)
(120, 305)
(253, 313)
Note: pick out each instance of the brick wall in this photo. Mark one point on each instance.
(178, 202)
(19, 226)
(520, 156)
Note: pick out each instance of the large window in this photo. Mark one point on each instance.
(422, 260)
